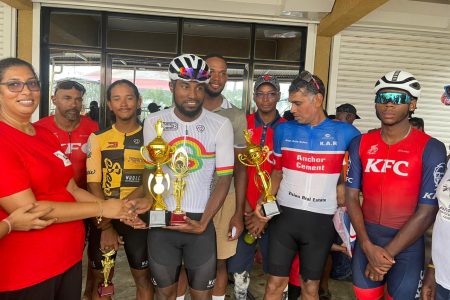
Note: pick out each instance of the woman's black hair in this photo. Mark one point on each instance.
(119, 82)
(10, 62)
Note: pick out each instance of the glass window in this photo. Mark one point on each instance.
(234, 88)
(81, 67)
(285, 75)
(79, 29)
(278, 43)
(202, 38)
(150, 76)
(142, 34)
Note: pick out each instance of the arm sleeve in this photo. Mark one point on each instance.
(277, 139)
(224, 150)
(353, 177)
(433, 169)
(15, 178)
(240, 125)
(94, 160)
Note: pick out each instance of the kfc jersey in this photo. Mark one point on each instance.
(74, 144)
(311, 160)
(262, 134)
(394, 179)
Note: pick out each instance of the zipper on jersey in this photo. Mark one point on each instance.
(70, 144)
(383, 177)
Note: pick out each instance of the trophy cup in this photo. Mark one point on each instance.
(180, 168)
(255, 156)
(157, 153)
(106, 288)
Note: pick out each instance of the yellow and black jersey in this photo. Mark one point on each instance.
(114, 160)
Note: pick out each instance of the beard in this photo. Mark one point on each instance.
(187, 113)
(72, 115)
(211, 93)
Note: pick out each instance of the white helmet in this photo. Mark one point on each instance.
(189, 67)
(400, 80)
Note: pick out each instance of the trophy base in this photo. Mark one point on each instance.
(271, 209)
(177, 218)
(157, 218)
(105, 290)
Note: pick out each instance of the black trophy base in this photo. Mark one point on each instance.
(105, 290)
(177, 218)
(271, 209)
(157, 218)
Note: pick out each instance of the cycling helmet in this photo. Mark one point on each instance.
(400, 80)
(189, 67)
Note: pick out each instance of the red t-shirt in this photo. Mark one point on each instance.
(36, 163)
(262, 134)
(74, 144)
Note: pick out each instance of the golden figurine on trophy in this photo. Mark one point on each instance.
(106, 288)
(157, 153)
(254, 156)
(180, 168)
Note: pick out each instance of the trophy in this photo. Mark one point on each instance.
(157, 153)
(106, 288)
(180, 168)
(255, 156)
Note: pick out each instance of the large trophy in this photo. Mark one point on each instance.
(157, 153)
(255, 156)
(180, 168)
(106, 288)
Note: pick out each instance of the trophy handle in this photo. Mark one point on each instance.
(146, 156)
(243, 159)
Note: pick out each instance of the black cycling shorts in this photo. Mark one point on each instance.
(298, 231)
(167, 249)
(135, 244)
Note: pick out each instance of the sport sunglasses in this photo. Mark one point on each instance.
(394, 97)
(193, 74)
(308, 77)
(447, 90)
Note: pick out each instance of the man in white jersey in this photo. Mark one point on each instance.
(208, 140)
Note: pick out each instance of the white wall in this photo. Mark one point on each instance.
(7, 31)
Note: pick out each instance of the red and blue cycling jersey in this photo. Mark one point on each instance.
(311, 158)
(262, 134)
(394, 179)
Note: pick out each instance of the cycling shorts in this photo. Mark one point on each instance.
(134, 243)
(403, 280)
(167, 249)
(298, 231)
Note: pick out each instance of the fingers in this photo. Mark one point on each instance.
(40, 224)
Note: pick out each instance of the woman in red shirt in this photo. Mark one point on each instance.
(46, 263)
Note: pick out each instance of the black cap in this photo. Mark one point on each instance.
(348, 108)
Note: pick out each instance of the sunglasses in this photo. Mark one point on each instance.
(269, 96)
(193, 74)
(447, 90)
(17, 86)
(394, 97)
(70, 84)
(308, 77)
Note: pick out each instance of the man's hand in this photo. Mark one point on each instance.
(139, 205)
(191, 226)
(259, 213)
(379, 258)
(373, 274)
(236, 222)
(339, 248)
(109, 239)
(254, 225)
(429, 285)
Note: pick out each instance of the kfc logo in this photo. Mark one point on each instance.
(381, 165)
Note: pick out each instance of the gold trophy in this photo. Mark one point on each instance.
(180, 168)
(255, 156)
(106, 288)
(157, 153)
